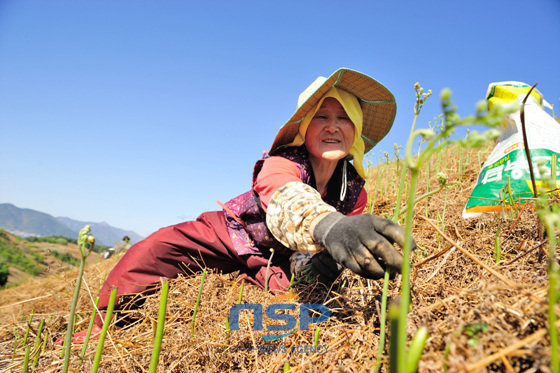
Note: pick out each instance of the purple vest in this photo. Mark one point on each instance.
(253, 236)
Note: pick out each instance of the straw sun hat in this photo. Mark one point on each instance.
(377, 102)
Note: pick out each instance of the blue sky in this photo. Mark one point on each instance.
(144, 113)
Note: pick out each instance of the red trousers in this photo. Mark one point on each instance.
(186, 248)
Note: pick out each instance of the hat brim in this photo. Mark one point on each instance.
(378, 106)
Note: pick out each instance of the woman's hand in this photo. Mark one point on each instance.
(363, 243)
(324, 268)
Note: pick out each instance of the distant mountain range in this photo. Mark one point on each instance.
(27, 222)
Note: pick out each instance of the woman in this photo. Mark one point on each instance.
(306, 204)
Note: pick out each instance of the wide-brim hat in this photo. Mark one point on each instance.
(378, 106)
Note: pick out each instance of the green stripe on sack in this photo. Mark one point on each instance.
(489, 188)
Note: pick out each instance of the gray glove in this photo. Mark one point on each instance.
(363, 243)
(324, 268)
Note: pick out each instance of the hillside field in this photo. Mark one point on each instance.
(39, 259)
(480, 315)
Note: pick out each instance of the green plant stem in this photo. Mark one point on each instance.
(36, 361)
(490, 118)
(444, 207)
(106, 323)
(438, 163)
(512, 203)
(28, 326)
(160, 327)
(427, 186)
(15, 348)
(497, 247)
(26, 359)
(377, 187)
(460, 164)
(241, 290)
(70, 327)
(405, 289)
(317, 333)
(553, 296)
(446, 356)
(425, 195)
(228, 331)
(38, 337)
(549, 216)
(291, 287)
(388, 178)
(396, 213)
(403, 173)
(393, 340)
(91, 322)
(382, 320)
(416, 349)
(197, 302)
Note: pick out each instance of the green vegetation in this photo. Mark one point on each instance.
(4, 273)
(58, 240)
(11, 255)
(66, 257)
(26, 256)
(160, 325)
(548, 210)
(404, 360)
(86, 242)
(61, 240)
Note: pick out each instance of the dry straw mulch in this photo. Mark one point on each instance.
(456, 288)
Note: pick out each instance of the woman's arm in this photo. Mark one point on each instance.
(275, 173)
(295, 204)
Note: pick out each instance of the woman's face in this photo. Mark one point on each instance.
(330, 134)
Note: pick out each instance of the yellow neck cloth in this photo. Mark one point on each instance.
(354, 111)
